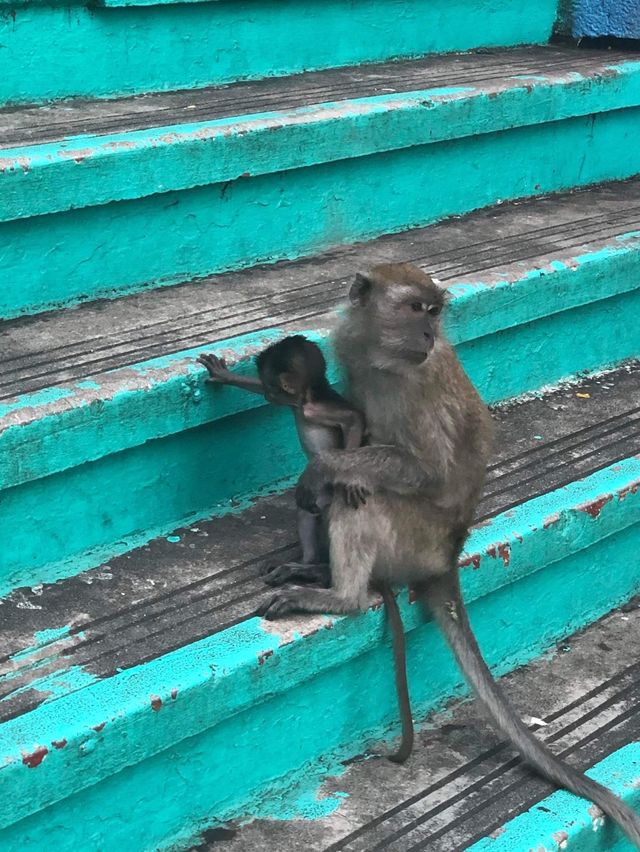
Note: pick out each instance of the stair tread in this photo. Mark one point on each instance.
(35, 125)
(205, 578)
(462, 783)
(493, 245)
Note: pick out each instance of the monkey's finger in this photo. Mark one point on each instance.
(353, 498)
(261, 611)
(212, 362)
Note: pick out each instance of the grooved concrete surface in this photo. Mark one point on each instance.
(37, 125)
(462, 783)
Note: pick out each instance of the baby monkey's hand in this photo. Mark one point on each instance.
(216, 367)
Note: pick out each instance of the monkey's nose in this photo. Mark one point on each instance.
(429, 340)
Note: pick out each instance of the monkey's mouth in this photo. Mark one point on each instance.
(417, 356)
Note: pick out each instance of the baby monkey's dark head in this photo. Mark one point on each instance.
(292, 367)
(399, 307)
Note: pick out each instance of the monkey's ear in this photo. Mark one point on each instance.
(360, 289)
(288, 382)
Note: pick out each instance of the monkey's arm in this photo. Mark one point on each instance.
(366, 470)
(340, 414)
(220, 374)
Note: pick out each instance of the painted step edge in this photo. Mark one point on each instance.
(61, 427)
(77, 740)
(92, 170)
(563, 821)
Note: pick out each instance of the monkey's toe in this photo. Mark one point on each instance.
(278, 575)
(301, 572)
(279, 605)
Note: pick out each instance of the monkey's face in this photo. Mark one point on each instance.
(401, 307)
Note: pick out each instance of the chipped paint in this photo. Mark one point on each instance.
(156, 702)
(594, 507)
(504, 552)
(561, 839)
(35, 758)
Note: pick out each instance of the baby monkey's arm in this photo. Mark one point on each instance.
(220, 374)
(336, 411)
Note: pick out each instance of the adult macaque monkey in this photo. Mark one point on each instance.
(422, 474)
(293, 372)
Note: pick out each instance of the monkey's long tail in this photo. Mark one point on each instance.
(400, 664)
(443, 597)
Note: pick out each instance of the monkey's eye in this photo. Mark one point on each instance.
(418, 307)
(434, 310)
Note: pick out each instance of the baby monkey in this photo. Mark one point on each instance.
(292, 372)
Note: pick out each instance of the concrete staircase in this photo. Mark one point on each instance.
(179, 178)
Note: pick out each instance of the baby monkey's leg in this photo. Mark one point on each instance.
(314, 567)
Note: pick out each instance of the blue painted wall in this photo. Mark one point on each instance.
(619, 18)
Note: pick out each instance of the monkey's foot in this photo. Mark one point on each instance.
(306, 572)
(308, 599)
(281, 604)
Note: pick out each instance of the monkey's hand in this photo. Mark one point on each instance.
(318, 482)
(216, 367)
(353, 495)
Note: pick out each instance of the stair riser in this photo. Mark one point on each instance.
(161, 239)
(54, 52)
(232, 769)
(162, 483)
(128, 498)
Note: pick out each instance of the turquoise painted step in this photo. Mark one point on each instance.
(61, 50)
(144, 433)
(194, 720)
(564, 821)
(322, 175)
